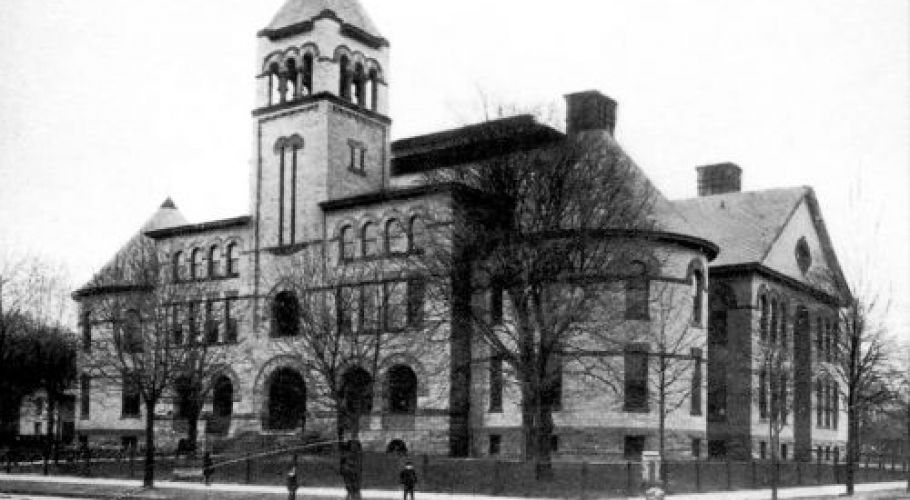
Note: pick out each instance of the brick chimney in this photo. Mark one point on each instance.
(590, 110)
(719, 179)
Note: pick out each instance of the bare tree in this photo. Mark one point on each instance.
(858, 358)
(541, 232)
(152, 337)
(352, 314)
(773, 359)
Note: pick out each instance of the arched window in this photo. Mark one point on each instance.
(276, 90)
(359, 85)
(357, 392)
(783, 324)
(214, 261)
(232, 260)
(307, 82)
(396, 239)
(344, 84)
(291, 87)
(196, 264)
(346, 243)
(401, 390)
(698, 293)
(774, 320)
(177, 264)
(374, 89)
(637, 292)
(370, 241)
(285, 315)
(763, 318)
(287, 400)
(222, 406)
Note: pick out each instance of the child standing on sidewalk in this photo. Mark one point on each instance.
(408, 479)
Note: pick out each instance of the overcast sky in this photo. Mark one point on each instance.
(110, 106)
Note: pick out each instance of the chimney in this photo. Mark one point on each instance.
(719, 179)
(590, 110)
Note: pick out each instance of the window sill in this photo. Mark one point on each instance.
(129, 417)
(358, 172)
(636, 410)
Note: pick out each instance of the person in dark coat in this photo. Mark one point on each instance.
(408, 478)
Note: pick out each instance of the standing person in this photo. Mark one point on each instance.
(408, 478)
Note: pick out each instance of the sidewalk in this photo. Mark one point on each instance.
(79, 487)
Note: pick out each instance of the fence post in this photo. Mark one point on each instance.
(729, 474)
(697, 475)
(584, 479)
(799, 473)
(132, 461)
(497, 485)
(629, 478)
(425, 468)
(818, 469)
(754, 478)
(249, 471)
(9, 463)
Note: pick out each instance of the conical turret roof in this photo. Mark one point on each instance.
(167, 216)
(295, 12)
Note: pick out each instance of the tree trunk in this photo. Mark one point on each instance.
(544, 466)
(528, 421)
(774, 438)
(852, 446)
(662, 423)
(148, 476)
(51, 433)
(192, 429)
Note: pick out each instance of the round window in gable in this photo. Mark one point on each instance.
(803, 255)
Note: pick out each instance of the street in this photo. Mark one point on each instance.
(6, 496)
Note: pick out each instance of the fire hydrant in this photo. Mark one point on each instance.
(292, 484)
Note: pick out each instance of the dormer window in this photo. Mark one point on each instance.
(803, 255)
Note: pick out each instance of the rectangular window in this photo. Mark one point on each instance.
(495, 444)
(192, 321)
(37, 429)
(85, 384)
(129, 443)
(176, 326)
(370, 308)
(696, 447)
(783, 452)
(230, 322)
(782, 399)
(633, 447)
(636, 378)
(763, 450)
(717, 449)
(554, 443)
(819, 339)
(763, 394)
(129, 397)
(211, 325)
(396, 306)
(416, 299)
(496, 384)
(827, 406)
(344, 309)
(835, 400)
(695, 396)
(819, 403)
(86, 332)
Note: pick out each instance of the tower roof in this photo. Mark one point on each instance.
(167, 216)
(295, 13)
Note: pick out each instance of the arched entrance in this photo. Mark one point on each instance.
(357, 395)
(222, 405)
(287, 400)
(401, 389)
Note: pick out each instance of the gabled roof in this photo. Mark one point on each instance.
(297, 13)
(743, 224)
(114, 275)
(746, 225)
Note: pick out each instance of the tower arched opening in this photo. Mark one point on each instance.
(286, 409)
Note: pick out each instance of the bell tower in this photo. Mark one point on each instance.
(321, 116)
